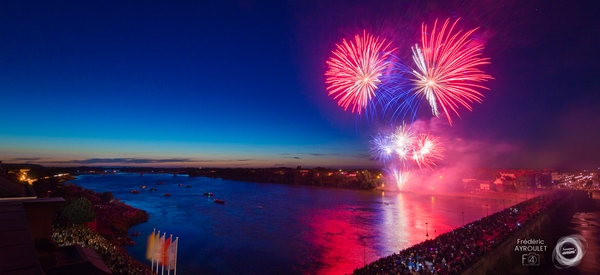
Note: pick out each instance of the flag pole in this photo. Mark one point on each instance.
(176, 248)
(163, 256)
(169, 256)
(153, 256)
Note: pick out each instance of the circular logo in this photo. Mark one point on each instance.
(569, 251)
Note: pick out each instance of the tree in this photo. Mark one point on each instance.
(107, 197)
(79, 211)
(366, 180)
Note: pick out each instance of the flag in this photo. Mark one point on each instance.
(151, 246)
(165, 252)
(159, 249)
(156, 244)
(173, 255)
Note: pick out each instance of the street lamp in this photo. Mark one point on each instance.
(463, 216)
(486, 210)
(426, 231)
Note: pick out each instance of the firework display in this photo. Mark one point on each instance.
(382, 148)
(447, 73)
(399, 147)
(356, 70)
(427, 150)
(365, 74)
(399, 177)
(403, 140)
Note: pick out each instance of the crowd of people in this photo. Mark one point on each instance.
(454, 251)
(115, 258)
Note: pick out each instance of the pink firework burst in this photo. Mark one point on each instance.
(356, 69)
(427, 150)
(448, 73)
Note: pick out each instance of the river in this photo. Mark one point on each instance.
(283, 229)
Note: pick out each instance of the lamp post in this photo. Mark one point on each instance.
(463, 216)
(486, 210)
(426, 231)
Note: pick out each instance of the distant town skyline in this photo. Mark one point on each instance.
(242, 84)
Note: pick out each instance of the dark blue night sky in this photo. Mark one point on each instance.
(241, 83)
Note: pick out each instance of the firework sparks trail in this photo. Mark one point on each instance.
(395, 95)
(447, 73)
(403, 140)
(426, 151)
(399, 177)
(382, 148)
(356, 70)
(401, 146)
(386, 147)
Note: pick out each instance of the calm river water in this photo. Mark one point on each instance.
(283, 229)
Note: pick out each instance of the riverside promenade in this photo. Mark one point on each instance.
(486, 245)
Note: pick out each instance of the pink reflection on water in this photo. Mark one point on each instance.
(347, 237)
(341, 236)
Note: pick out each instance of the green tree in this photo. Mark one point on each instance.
(79, 211)
(366, 180)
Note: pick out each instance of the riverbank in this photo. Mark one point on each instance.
(113, 217)
(115, 257)
(107, 233)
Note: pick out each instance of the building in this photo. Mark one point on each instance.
(26, 244)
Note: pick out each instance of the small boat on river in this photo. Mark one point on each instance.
(134, 192)
(219, 201)
(167, 195)
(209, 194)
(161, 183)
(153, 189)
(142, 186)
